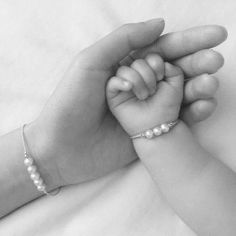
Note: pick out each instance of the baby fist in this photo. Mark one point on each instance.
(146, 94)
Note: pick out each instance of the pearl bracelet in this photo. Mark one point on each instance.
(33, 172)
(156, 131)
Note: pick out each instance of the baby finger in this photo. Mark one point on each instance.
(139, 87)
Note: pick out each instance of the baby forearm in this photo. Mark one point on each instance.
(199, 188)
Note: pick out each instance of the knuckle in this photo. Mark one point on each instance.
(122, 70)
(129, 74)
(155, 60)
(110, 84)
(138, 63)
(136, 79)
(154, 56)
(111, 81)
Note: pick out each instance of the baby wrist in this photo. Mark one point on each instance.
(156, 131)
(148, 147)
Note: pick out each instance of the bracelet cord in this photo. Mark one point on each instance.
(156, 131)
(33, 171)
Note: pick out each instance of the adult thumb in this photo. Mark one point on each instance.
(108, 51)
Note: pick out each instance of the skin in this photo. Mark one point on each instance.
(76, 138)
(134, 90)
(125, 94)
(198, 187)
(61, 129)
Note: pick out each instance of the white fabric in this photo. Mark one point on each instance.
(38, 39)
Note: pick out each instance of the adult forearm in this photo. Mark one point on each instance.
(198, 187)
(16, 186)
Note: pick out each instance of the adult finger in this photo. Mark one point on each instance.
(198, 111)
(204, 61)
(111, 49)
(172, 46)
(201, 87)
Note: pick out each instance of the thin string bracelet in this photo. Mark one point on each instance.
(32, 170)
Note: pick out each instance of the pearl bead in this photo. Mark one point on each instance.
(38, 182)
(28, 161)
(165, 128)
(157, 131)
(35, 176)
(41, 188)
(149, 134)
(32, 169)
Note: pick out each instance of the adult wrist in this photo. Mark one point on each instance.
(46, 164)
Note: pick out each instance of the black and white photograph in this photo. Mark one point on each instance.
(117, 118)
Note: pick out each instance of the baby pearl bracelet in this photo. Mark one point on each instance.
(33, 172)
(156, 131)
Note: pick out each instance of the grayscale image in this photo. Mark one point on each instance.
(117, 118)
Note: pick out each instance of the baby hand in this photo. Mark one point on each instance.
(146, 94)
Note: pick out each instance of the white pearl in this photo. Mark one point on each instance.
(35, 176)
(41, 188)
(38, 182)
(149, 134)
(157, 131)
(28, 161)
(32, 169)
(165, 128)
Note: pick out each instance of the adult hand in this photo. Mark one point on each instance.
(77, 132)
